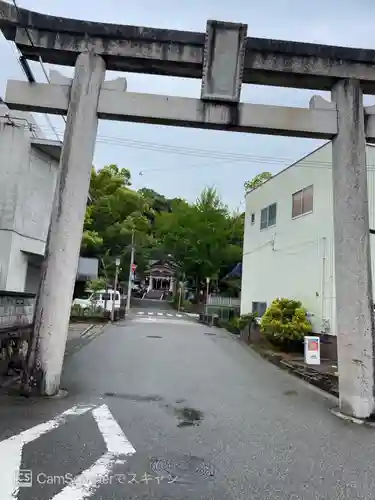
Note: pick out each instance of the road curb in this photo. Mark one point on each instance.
(87, 330)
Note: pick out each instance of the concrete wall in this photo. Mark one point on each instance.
(28, 173)
(295, 258)
(28, 179)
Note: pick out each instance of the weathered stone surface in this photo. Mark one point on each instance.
(180, 53)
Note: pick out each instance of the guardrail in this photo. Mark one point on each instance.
(16, 320)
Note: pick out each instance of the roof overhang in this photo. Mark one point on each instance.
(47, 147)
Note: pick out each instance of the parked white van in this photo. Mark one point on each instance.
(101, 298)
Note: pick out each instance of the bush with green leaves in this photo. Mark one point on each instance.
(90, 312)
(285, 321)
(245, 320)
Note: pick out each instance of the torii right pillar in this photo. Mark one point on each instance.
(354, 295)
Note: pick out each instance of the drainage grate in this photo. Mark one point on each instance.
(186, 469)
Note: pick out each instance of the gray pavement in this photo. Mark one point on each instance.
(206, 417)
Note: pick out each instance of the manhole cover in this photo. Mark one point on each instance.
(186, 469)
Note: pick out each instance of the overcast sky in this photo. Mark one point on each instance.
(175, 161)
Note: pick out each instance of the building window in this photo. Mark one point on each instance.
(252, 218)
(302, 202)
(268, 216)
(259, 308)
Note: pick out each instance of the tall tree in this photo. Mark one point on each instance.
(114, 211)
(200, 237)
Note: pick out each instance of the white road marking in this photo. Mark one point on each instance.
(164, 321)
(11, 450)
(160, 314)
(85, 485)
(170, 315)
(179, 315)
(140, 312)
(116, 441)
(150, 313)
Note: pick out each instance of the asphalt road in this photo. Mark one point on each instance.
(186, 412)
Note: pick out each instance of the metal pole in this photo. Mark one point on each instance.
(207, 292)
(114, 295)
(179, 299)
(130, 274)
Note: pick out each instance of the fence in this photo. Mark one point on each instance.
(225, 313)
(16, 319)
(223, 301)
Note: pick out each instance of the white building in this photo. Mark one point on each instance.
(288, 242)
(28, 173)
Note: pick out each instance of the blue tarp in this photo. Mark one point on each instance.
(236, 272)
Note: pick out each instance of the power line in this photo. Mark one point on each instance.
(41, 64)
(203, 153)
(212, 155)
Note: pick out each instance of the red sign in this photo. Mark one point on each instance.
(313, 345)
(134, 267)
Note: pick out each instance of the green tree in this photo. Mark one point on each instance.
(157, 202)
(201, 237)
(257, 181)
(114, 211)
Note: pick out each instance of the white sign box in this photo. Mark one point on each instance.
(312, 350)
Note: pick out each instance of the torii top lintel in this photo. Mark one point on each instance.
(180, 53)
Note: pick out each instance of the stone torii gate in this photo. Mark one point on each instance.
(224, 59)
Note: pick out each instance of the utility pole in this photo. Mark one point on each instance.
(115, 291)
(180, 297)
(130, 273)
(207, 291)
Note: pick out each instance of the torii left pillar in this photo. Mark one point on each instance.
(46, 355)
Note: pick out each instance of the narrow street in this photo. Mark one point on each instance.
(194, 414)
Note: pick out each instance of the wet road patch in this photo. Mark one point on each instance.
(134, 397)
(290, 393)
(188, 417)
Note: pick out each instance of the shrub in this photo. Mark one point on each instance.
(238, 323)
(285, 322)
(245, 320)
(89, 312)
